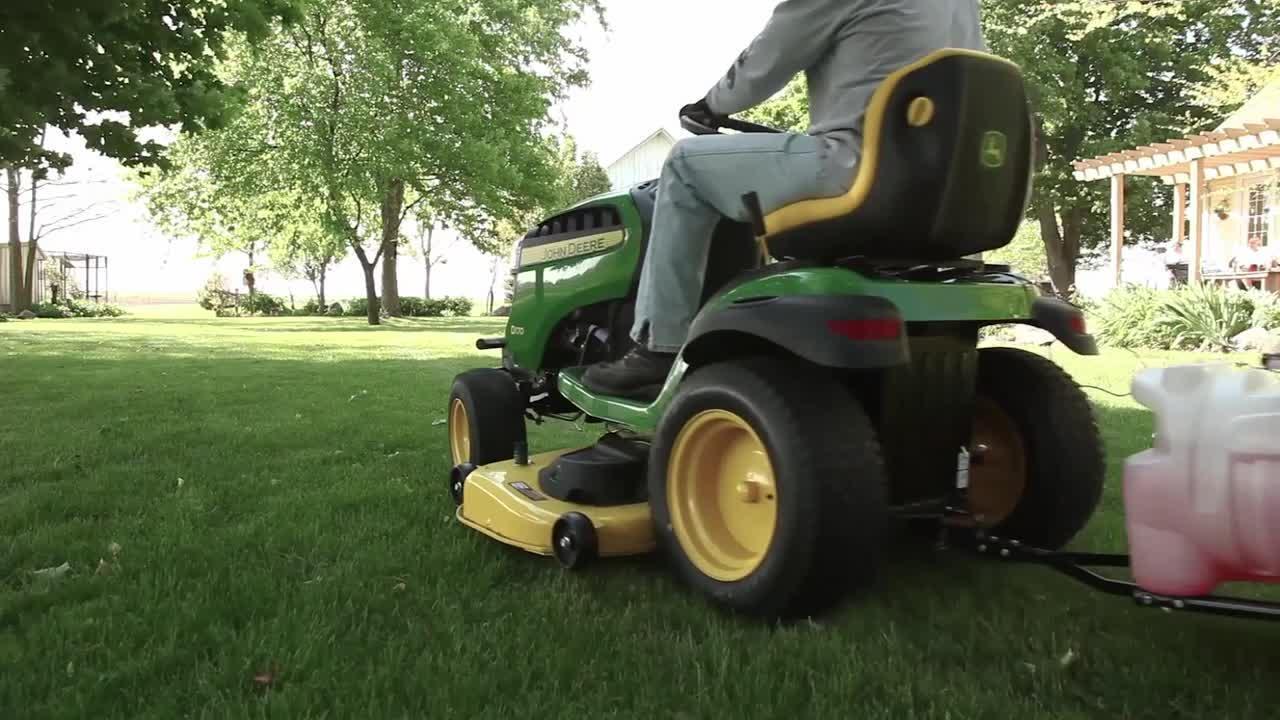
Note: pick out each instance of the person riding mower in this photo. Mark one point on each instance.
(826, 375)
(845, 50)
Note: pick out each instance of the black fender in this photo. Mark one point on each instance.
(853, 332)
(1066, 322)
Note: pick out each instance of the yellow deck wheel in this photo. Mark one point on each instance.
(459, 432)
(723, 495)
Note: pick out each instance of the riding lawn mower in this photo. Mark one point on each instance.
(831, 382)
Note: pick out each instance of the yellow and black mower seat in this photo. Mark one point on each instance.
(945, 170)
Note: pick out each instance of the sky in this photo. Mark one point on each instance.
(656, 56)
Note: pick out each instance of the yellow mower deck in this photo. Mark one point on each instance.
(506, 502)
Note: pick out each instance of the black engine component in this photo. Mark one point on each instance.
(611, 472)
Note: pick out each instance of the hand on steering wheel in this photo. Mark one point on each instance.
(698, 119)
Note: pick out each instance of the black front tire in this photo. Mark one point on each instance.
(832, 492)
(1065, 468)
(494, 416)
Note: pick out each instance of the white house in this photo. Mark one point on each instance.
(642, 162)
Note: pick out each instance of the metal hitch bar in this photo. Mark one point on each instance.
(1076, 565)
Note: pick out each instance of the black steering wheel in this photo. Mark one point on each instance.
(712, 125)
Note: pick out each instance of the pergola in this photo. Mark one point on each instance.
(1188, 163)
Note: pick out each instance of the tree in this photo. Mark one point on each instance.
(107, 70)
(589, 179)
(375, 105)
(1105, 76)
(225, 212)
(303, 245)
(60, 209)
(432, 255)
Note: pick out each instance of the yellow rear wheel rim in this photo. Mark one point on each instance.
(459, 432)
(722, 495)
(998, 475)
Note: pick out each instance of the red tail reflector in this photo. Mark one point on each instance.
(1078, 324)
(867, 329)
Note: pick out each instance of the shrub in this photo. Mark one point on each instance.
(457, 306)
(435, 307)
(358, 307)
(1129, 318)
(73, 307)
(85, 308)
(1190, 317)
(216, 296)
(335, 310)
(261, 303)
(310, 307)
(414, 306)
(1266, 309)
(51, 310)
(1205, 317)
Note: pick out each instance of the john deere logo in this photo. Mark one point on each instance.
(995, 146)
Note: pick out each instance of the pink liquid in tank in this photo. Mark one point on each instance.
(1203, 506)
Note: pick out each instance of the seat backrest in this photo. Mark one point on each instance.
(945, 170)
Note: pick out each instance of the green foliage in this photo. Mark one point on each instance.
(260, 303)
(1190, 317)
(1025, 254)
(85, 308)
(1130, 317)
(1205, 317)
(78, 64)
(588, 178)
(76, 308)
(788, 110)
(1266, 309)
(357, 307)
(215, 295)
(50, 310)
(419, 307)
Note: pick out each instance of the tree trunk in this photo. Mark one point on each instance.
(29, 283)
(426, 259)
(324, 269)
(370, 287)
(1062, 264)
(392, 205)
(493, 281)
(15, 243)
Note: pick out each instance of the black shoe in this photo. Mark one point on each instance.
(638, 374)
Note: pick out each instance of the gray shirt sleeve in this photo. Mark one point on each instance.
(796, 37)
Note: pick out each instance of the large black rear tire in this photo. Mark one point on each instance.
(711, 488)
(1042, 475)
(486, 417)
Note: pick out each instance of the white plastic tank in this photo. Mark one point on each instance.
(1203, 505)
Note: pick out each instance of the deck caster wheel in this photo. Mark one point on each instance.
(573, 540)
(458, 480)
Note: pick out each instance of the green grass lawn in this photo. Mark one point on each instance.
(256, 519)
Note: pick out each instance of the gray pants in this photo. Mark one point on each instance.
(703, 180)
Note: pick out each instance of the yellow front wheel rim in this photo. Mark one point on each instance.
(722, 495)
(459, 432)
